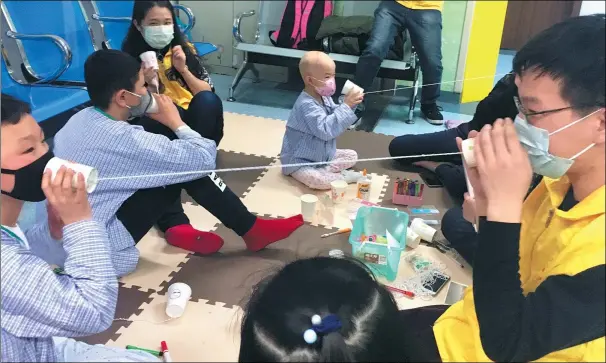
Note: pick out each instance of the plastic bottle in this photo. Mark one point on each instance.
(364, 187)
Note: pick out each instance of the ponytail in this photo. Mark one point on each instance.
(334, 349)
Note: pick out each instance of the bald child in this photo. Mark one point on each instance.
(314, 124)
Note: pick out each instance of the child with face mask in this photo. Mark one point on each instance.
(39, 302)
(314, 124)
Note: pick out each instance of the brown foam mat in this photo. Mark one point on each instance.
(229, 276)
(238, 181)
(130, 300)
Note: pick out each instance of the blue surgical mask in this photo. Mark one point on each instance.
(536, 142)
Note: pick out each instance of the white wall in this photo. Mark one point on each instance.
(589, 7)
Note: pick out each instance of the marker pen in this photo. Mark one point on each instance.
(150, 351)
(165, 353)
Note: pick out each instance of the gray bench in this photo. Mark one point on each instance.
(263, 52)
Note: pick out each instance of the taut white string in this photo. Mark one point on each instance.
(435, 84)
(260, 167)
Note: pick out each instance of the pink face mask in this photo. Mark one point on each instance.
(329, 87)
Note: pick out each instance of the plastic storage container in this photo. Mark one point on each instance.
(382, 259)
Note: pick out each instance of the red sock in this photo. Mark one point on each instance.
(267, 231)
(187, 237)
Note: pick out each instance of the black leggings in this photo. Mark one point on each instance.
(162, 206)
(418, 341)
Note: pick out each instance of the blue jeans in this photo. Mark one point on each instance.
(425, 28)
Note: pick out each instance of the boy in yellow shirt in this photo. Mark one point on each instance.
(538, 289)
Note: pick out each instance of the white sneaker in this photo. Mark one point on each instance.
(351, 176)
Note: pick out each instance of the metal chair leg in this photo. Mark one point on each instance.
(414, 96)
(255, 72)
(241, 71)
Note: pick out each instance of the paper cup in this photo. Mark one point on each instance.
(423, 230)
(349, 85)
(308, 206)
(91, 175)
(153, 107)
(178, 296)
(338, 188)
(149, 59)
(468, 155)
(412, 239)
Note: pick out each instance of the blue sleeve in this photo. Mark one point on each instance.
(309, 117)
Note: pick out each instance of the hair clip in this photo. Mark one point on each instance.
(328, 324)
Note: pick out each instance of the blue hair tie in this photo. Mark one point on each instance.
(329, 324)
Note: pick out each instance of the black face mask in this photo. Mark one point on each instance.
(28, 180)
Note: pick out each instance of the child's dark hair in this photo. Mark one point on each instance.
(281, 308)
(13, 109)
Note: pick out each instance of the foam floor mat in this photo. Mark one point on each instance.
(221, 283)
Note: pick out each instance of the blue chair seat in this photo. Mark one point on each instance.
(45, 101)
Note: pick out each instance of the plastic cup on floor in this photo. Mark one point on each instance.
(412, 238)
(422, 229)
(308, 206)
(338, 188)
(91, 175)
(178, 296)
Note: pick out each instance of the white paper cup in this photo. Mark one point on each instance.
(149, 59)
(338, 188)
(423, 230)
(178, 296)
(349, 85)
(308, 206)
(153, 107)
(412, 239)
(467, 150)
(91, 175)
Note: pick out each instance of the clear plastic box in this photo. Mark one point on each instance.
(381, 258)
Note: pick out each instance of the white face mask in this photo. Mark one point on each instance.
(536, 142)
(158, 36)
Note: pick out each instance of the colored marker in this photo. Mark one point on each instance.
(405, 187)
(408, 294)
(417, 188)
(165, 353)
(154, 352)
(422, 187)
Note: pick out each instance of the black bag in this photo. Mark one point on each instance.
(300, 23)
(354, 45)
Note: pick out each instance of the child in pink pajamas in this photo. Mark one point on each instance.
(314, 124)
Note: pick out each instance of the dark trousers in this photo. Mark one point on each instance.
(418, 341)
(460, 234)
(425, 28)
(162, 206)
(431, 143)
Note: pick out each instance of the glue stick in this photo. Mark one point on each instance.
(364, 187)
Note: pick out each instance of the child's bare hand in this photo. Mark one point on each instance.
(353, 98)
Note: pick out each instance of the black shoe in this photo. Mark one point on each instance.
(432, 114)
